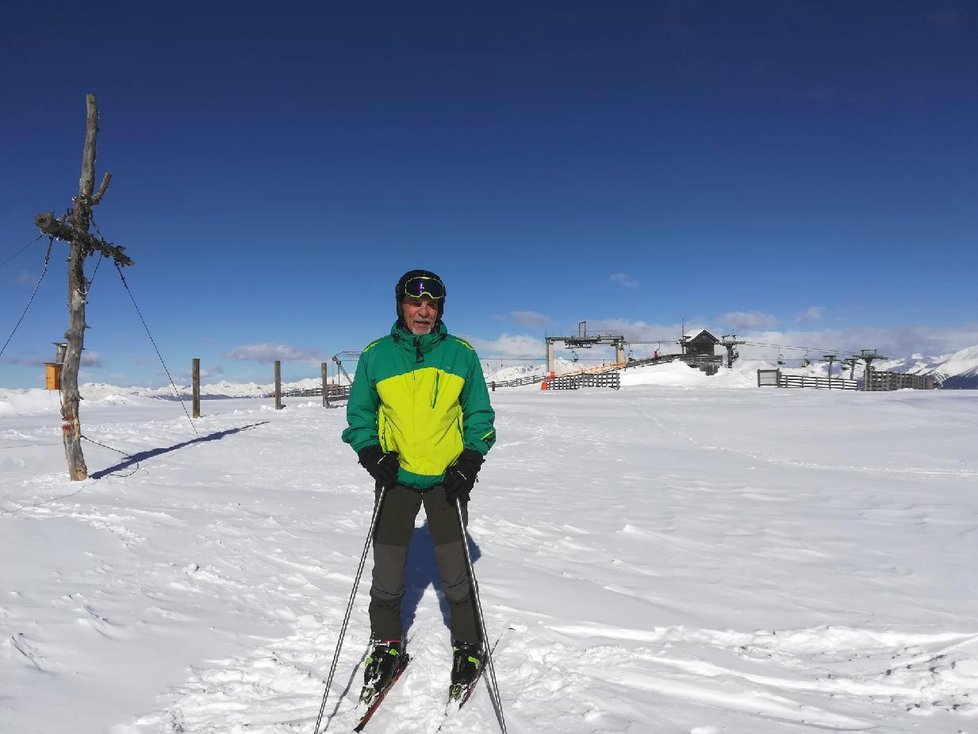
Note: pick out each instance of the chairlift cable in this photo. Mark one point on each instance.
(799, 348)
(153, 341)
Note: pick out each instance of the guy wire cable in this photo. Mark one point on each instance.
(25, 247)
(44, 270)
(153, 341)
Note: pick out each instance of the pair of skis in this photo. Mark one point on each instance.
(372, 698)
(458, 694)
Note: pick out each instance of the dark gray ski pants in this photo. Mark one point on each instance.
(395, 528)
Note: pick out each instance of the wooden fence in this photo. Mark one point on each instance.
(518, 382)
(819, 383)
(768, 378)
(607, 369)
(334, 394)
(878, 381)
(900, 381)
(776, 378)
(661, 359)
(611, 379)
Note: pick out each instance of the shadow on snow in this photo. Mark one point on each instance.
(422, 572)
(150, 453)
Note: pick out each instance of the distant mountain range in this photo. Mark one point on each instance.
(958, 371)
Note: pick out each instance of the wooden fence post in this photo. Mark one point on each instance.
(195, 382)
(324, 367)
(278, 385)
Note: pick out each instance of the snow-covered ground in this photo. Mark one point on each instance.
(688, 554)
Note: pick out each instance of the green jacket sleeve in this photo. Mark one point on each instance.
(361, 409)
(478, 417)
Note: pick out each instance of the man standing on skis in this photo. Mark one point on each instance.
(421, 423)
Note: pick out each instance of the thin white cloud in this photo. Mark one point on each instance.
(88, 359)
(519, 346)
(216, 370)
(206, 373)
(814, 313)
(529, 318)
(746, 320)
(272, 353)
(21, 359)
(27, 280)
(624, 280)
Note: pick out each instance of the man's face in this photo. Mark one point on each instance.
(419, 314)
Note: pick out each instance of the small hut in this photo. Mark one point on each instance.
(701, 345)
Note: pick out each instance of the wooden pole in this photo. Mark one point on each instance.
(195, 381)
(324, 368)
(81, 217)
(278, 385)
(81, 245)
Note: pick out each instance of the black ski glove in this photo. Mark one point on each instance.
(382, 467)
(460, 476)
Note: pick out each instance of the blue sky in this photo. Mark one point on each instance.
(799, 173)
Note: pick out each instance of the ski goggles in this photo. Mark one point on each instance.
(424, 285)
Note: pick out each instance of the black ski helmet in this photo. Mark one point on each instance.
(410, 275)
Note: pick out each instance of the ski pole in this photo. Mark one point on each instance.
(482, 619)
(349, 605)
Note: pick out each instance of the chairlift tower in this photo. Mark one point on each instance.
(339, 365)
(729, 342)
(868, 356)
(583, 341)
(851, 363)
(830, 358)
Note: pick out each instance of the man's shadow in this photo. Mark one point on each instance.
(421, 571)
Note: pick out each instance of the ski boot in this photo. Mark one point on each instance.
(382, 664)
(466, 667)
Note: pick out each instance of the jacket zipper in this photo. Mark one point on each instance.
(418, 356)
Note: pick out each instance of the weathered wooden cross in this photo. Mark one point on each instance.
(82, 244)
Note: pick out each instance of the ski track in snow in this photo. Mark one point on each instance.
(767, 594)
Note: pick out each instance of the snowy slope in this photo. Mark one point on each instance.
(677, 556)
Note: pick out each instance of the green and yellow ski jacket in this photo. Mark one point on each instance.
(424, 397)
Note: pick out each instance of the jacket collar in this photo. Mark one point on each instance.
(424, 342)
